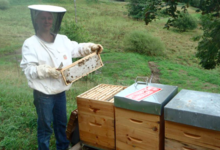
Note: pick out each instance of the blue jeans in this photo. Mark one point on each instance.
(51, 108)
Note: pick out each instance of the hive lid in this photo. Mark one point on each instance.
(199, 109)
(152, 104)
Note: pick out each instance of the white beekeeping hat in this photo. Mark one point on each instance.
(56, 11)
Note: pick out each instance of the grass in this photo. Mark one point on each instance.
(192, 78)
(15, 28)
(107, 24)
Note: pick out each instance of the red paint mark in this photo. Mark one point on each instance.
(64, 57)
(143, 93)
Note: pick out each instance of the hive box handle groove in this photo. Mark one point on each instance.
(94, 109)
(134, 139)
(136, 121)
(186, 148)
(192, 136)
(95, 124)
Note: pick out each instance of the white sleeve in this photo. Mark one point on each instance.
(29, 61)
(79, 49)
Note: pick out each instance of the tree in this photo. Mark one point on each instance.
(154, 6)
(209, 47)
(185, 22)
(135, 8)
(195, 3)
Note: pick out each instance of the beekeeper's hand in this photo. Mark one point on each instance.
(97, 47)
(53, 72)
(45, 71)
(88, 48)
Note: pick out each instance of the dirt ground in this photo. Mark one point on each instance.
(155, 72)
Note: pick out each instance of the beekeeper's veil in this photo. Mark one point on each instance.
(56, 12)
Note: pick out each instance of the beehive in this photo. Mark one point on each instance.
(140, 124)
(97, 117)
(193, 121)
(81, 68)
(185, 137)
(137, 130)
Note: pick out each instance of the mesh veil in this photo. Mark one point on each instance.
(57, 19)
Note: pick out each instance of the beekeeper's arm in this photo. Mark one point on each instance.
(31, 67)
(84, 49)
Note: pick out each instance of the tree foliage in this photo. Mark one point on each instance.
(151, 10)
(209, 46)
(185, 22)
(135, 8)
(195, 3)
(154, 6)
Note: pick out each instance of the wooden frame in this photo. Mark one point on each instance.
(81, 68)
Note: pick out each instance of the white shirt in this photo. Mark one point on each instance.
(37, 52)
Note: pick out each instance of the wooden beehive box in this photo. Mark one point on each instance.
(140, 124)
(186, 137)
(137, 130)
(81, 68)
(193, 121)
(96, 116)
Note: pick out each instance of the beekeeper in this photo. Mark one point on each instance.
(42, 54)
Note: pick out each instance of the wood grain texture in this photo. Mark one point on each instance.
(98, 141)
(137, 130)
(99, 108)
(102, 92)
(177, 145)
(96, 116)
(193, 135)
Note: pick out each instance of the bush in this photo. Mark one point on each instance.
(163, 13)
(195, 3)
(135, 8)
(143, 43)
(74, 32)
(206, 20)
(4, 4)
(185, 22)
